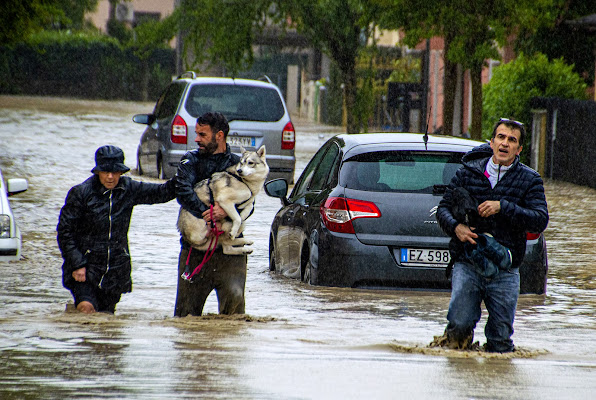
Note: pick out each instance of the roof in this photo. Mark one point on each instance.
(191, 76)
(401, 137)
(366, 142)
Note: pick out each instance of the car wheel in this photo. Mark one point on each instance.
(272, 266)
(161, 174)
(305, 264)
(139, 166)
(307, 277)
(532, 277)
(532, 280)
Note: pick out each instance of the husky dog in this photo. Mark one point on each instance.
(235, 190)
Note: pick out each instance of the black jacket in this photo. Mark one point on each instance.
(193, 168)
(93, 229)
(520, 192)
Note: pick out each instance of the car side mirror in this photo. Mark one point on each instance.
(278, 188)
(145, 119)
(16, 186)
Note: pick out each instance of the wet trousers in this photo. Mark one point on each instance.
(468, 290)
(102, 301)
(224, 273)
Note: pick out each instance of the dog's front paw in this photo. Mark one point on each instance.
(247, 250)
(233, 233)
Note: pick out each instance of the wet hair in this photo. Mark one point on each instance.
(511, 124)
(216, 121)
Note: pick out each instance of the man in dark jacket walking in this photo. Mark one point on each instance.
(93, 231)
(511, 202)
(224, 273)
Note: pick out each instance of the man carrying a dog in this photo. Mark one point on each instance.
(511, 202)
(93, 231)
(224, 273)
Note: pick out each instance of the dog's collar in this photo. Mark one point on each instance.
(242, 205)
(236, 176)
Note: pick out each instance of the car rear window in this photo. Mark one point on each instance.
(236, 102)
(400, 171)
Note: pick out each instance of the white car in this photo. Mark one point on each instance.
(10, 236)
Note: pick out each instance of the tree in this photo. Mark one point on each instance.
(564, 39)
(74, 13)
(513, 84)
(473, 31)
(223, 32)
(19, 18)
(341, 29)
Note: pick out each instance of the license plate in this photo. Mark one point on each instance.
(425, 257)
(244, 141)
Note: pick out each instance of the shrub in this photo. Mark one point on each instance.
(509, 91)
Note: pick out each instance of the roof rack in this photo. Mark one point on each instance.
(187, 74)
(265, 78)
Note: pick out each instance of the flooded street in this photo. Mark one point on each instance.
(296, 341)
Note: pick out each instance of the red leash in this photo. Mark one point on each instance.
(208, 254)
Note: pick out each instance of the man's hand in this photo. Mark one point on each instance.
(489, 208)
(79, 275)
(464, 233)
(218, 213)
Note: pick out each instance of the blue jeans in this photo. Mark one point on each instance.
(500, 294)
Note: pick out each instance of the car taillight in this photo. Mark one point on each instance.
(179, 130)
(288, 137)
(532, 236)
(338, 213)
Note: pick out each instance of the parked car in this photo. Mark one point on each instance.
(255, 110)
(10, 236)
(362, 215)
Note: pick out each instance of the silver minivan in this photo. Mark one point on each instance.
(255, 110)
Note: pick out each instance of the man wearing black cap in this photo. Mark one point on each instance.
(93, 231)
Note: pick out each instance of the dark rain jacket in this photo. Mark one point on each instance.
(520, 192)
(193, 168)
(93, 229)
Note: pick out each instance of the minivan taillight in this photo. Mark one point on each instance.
(338, 213)
(288, 137)
(179, 130)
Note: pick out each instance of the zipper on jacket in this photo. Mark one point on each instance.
(109, 240)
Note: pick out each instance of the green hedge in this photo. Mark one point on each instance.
(514, 84)
(83, 66)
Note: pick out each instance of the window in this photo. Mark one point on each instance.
(236, 102)
(325, 169)
(168, 102)
(400, 171)
(140, 17)
(305, 179)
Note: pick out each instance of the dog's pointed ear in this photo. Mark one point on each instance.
(261, 151)
(242, 150)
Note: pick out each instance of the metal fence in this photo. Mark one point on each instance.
(564, 140)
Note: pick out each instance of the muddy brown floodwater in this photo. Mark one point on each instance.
(297, 341)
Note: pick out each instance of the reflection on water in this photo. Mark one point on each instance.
(298, 341)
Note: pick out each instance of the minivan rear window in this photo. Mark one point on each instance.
(236, 102)
(400, 171)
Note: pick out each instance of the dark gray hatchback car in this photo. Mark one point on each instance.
(362, 214)
(255, 110)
